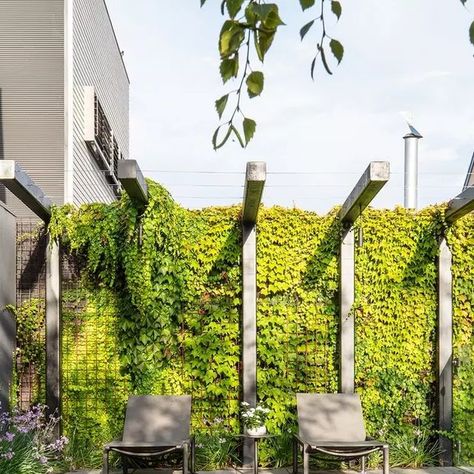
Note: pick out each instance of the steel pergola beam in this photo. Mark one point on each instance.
(133, 181)
(459, 206)
(254, 182)
(370, 183)
(16, 180)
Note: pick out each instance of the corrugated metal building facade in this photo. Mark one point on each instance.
(49, 51)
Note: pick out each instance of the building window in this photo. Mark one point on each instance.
(100, 138)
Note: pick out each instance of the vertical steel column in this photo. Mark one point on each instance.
(53, 329)
(7, 297)
(255, 175)
(347, 328)
(249, 326)
(445, 350)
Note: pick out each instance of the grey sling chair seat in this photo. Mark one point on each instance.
(154, 425)
(333, 425)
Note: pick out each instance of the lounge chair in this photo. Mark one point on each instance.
(333, 425)
(154, 425)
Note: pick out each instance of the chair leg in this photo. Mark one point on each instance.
(362, 465)
(193, 456)
(185, 458)
(105, 462)
(124, 465)
(295, 456)
(305, 460)
(386, 467)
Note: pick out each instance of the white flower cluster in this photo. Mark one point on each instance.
(254, 417)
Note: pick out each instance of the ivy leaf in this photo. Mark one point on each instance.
(305, 4)
(336, 8)
(305, 29)
(323, 59)
(220, 104)
(337, 49)
(229, 68)
(471, 33)
(233, 7)
(215, 145)
(255, 83)
(249, 129)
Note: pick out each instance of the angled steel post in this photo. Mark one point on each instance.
(22, 186)
(254, 183)
(369, 184)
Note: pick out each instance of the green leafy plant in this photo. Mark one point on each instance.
(413, 448)
(157, 310)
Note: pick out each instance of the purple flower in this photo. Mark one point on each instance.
(9, 436)
(8, 455)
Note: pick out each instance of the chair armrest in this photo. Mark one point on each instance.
(298, 439)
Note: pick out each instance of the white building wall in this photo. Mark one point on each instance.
(97, 62)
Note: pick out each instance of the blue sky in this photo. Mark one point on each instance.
(400, 55)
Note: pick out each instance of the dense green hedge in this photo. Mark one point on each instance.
(164, 286)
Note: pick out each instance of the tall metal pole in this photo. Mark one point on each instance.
(411, 169)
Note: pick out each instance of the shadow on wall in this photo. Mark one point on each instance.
(2, 152)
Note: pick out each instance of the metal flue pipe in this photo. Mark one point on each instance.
(411, 168)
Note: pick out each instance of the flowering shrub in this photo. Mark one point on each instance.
(254, 417)
(27, 442)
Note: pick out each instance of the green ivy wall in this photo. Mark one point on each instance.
(159, 312)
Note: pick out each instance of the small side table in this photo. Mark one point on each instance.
(256, 440)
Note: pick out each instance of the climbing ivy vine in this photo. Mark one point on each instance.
(161, 293)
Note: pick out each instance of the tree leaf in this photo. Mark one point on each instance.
(231, 37)
(471, 33)
(305, 29)
(233, 7)
(305, 4)
(238, 136)
(336, 8)
(313, 63)
(273, 20)
(203, 2)
(255, 83)
(263, 41)
(220, 104)
(337, 49)
(249, 129)
(323, 59)
(226, 137)
(229, 68)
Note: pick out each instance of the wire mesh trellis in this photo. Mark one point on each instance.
(31, 295)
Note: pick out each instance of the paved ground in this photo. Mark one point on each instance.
(395, 470)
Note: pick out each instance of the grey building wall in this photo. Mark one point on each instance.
(97, 62)
(32, 93)
(7, 297)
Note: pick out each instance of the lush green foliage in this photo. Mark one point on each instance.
(162, 289)
(254, 22)
(395, 311)
(461, 241)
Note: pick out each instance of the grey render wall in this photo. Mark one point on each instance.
(7, 297)
(32, 93)
(97, 62)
